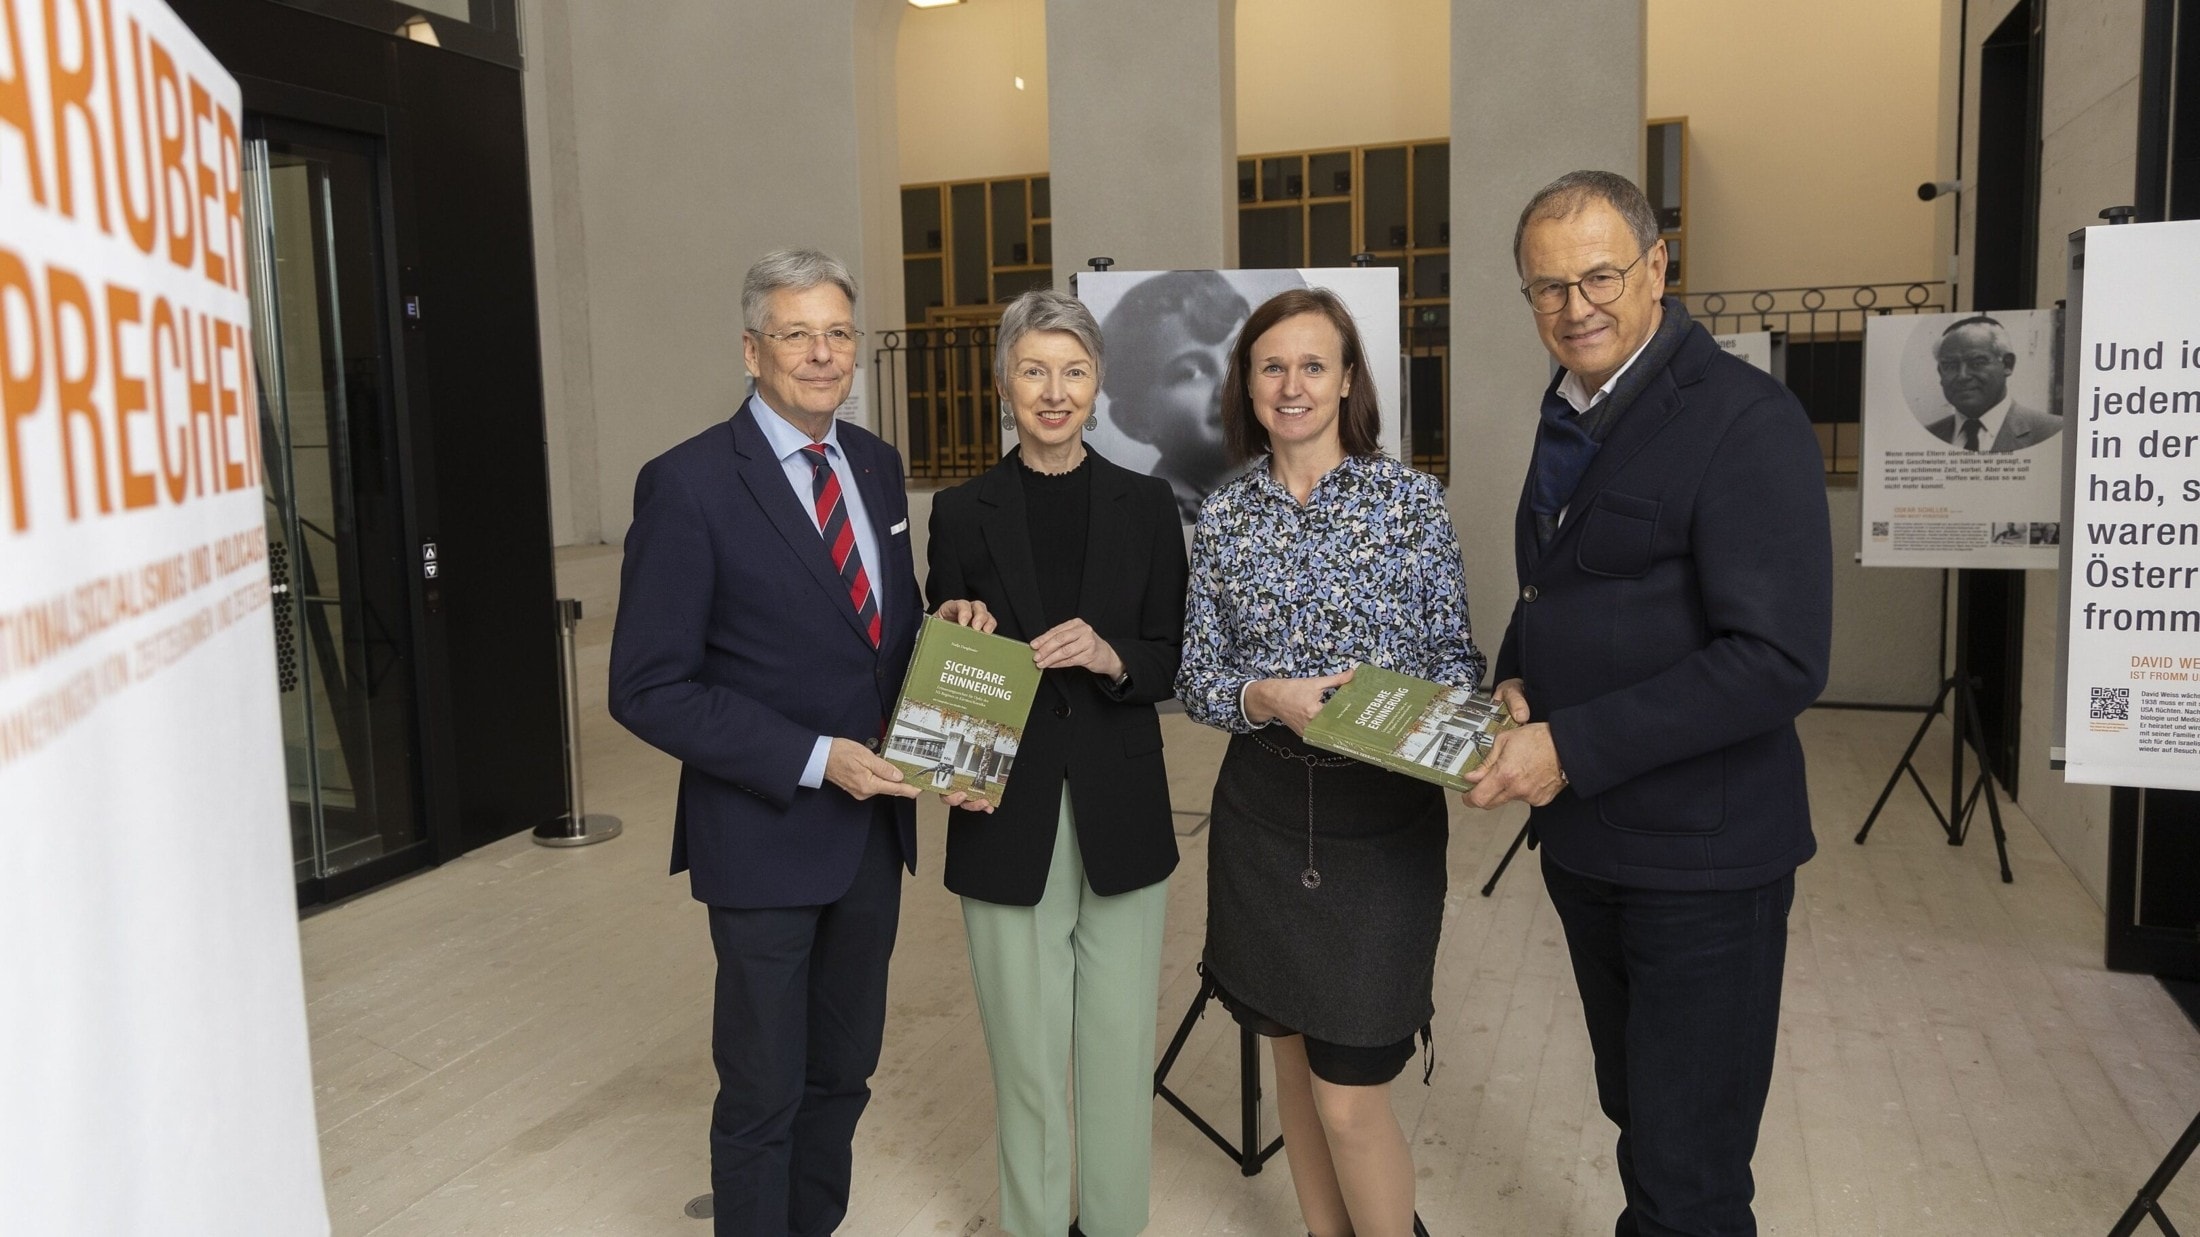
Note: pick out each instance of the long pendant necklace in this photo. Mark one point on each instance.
(1312, 876)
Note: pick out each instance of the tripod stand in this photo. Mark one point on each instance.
(2149, 1201)
(1251, 1157)
(1963, 716)
(1247, 1151)
(1956, 822)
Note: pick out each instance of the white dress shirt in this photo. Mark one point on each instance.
(787, 443)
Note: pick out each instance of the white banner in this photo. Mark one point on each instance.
(1168, 335)
(1962, 440)
(2134, 634)
(155, 1078)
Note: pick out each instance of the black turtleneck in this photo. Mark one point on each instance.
(1057, 510)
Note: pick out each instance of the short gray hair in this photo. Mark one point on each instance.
(1570, 194)
(1044, 309)
(1996, 334)
(790, 268)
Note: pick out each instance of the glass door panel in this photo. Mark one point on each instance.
(334, 506)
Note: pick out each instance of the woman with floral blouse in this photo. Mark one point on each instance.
(1325, 875)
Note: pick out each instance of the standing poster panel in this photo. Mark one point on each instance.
(155, 1078)
(1754, 347)
(1168, 336)
(1962, 442)
(2133, 711)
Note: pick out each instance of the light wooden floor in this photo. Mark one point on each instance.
(517, 1043)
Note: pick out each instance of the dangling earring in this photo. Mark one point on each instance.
(1092, 422)
(1008, 419)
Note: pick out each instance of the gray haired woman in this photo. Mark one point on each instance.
(1065, 881)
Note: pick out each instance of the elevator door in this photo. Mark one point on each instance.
(335, 502)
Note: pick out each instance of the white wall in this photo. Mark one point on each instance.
(962, 117)
(1315, 73)
(663, 167)
(1811, 126)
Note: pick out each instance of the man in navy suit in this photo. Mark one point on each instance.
(767, 610)
(1674, 617)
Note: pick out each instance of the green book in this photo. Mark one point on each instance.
(1409, 725)
(962, 710)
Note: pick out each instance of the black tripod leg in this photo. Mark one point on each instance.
(1506, 862)
(1248, 1102)
(1183, 1032)
(2148, 1202)
(1894, 779)
(1993, 802)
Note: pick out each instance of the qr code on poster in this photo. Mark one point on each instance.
(2110, 704)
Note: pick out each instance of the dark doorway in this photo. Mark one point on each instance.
(1990, 604)
(2006, 239)
(335, 505)
(401, 382)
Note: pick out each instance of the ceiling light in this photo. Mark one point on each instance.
(418, 29)
(932, 4)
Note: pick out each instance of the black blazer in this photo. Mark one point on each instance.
(1674, 628)
(737, 646)
(1107, 742)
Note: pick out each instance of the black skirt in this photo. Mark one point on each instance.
(1351, 959)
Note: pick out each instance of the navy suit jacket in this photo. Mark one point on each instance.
(1675, 627)
(737, 646)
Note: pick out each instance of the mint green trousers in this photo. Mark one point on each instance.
(1070, 985)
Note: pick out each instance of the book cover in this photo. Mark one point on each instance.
(1409, 725)
(962, 710)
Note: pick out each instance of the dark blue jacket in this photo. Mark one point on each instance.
(737, 646)
(1674, 628)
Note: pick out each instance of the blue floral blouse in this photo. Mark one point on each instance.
(1368, 570)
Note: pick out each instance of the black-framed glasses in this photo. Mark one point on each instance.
(839, 339)
(1548, 296)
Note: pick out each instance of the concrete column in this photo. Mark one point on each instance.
(1536, 92)
(1142, 133)
(561, 275)
(674, 151)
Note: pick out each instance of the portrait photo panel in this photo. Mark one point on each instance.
(1168, 336)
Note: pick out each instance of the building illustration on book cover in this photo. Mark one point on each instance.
(1431, 731)
(962, 710)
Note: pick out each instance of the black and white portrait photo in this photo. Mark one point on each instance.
(1963, 442)
(1983, 383)
(1168, 337)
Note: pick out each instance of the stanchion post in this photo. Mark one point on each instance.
(576, 827)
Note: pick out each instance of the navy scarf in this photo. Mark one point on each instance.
(1567, 443)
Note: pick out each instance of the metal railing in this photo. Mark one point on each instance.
(1819, 337)
(935, 398)
(933, 387)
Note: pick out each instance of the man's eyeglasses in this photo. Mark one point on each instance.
(839, 339)
(1548, 296)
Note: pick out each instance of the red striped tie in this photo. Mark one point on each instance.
(840, 537)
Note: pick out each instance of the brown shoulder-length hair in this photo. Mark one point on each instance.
(1359, 420)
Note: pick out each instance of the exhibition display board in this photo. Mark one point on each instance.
(156, 1078)
(2133, 704)
(1754, 347)
(1962, 447)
